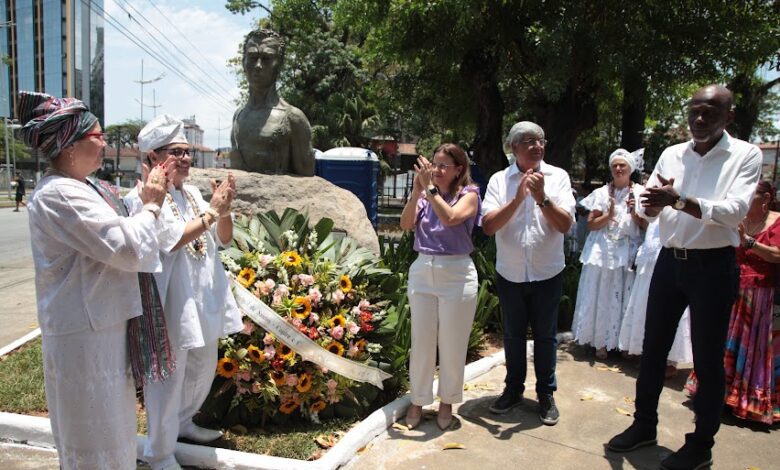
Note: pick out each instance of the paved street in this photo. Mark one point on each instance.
(17, 282)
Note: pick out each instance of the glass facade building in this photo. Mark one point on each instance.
(52, 46)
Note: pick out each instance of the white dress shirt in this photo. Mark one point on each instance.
(528, 247)
(86, 257)
(722, 181)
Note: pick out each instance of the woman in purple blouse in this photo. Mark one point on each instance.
(442, 211)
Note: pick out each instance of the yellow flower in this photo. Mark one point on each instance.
(304, 382)
(289, 405)
(247, 277)
(301, 307)
(291, 258)
(345, 283)
(255, 354)
(285, 352)
(318, 405)
(335, 348)
(338, 320)
(361, 344)
(278, 377)
(227, 367)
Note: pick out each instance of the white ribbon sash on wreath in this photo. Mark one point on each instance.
(269, 320)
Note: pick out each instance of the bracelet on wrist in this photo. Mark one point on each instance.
(212, 212)
(203, 221)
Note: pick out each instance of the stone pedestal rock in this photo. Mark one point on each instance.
(259, 193)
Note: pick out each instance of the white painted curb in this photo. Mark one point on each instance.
(20, 342)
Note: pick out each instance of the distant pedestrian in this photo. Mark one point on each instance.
(20, 190)
(529, 206)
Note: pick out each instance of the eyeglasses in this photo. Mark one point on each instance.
(178, 153)
(441, 166)
(99, 135)
(529, 142)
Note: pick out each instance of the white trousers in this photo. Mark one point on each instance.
(170, 405)
(443, 298)
(91, 398)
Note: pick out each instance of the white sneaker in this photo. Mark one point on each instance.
(200, 435)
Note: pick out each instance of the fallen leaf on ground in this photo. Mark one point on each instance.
(364, 448)
(623, 412)
(752, 468)
(326, 441)
(628, 400)
(586, 397)
(453, 445)
(401, 427)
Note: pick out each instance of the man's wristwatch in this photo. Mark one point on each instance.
(433, 190)
(680, 203)
(545, 202)
(153, 208)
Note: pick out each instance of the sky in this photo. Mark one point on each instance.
(199, 31)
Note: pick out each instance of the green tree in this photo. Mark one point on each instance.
(15, 146)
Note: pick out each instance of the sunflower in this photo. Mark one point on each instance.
(278, 377)
(247, 277)
(291, 258)
(345, 283)
(285, 352)
(301, 307)
(255, 354)
(361, 344)
(318, 405)
(335, 348)
(338, 320)
(227, 367)
(289, 405)
(304, 382)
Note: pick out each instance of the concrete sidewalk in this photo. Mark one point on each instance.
(592, 397)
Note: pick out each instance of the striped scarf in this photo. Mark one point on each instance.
(151, 355)
(52, 124)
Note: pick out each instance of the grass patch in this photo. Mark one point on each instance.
(21, 380)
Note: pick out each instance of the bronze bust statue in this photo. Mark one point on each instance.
(269, 135)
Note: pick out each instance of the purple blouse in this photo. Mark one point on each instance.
(431, 237)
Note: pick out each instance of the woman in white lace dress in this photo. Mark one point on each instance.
(608, 256)
(632, 330)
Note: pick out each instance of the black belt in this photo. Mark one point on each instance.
(685, 254)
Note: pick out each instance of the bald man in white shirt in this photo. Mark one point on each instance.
(700, 191)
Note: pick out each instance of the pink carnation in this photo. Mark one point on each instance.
(291, 380)
(265, 259)
(364, 304)
(337, 332)
(315, 295)
(269, 352)
(249, 327)
(306, 279)
(353, 350)
(297, 322)
(353, 328)
(337, 296)
(313, 318)
(332, 384)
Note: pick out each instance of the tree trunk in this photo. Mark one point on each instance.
(749, 94)
(479, 69)
(634, 110)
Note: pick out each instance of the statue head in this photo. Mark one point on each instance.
(263, 58)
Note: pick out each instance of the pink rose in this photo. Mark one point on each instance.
(332, 384)
(291, 380)
(313, 318)
(315, 295)
(306, 279)
(269, 352)
(353, 328)
(364, 304)
(337, 296)
(244, 375)
(353, 350)
(265, 259)
(337, 332)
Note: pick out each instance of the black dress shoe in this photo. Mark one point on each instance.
(634, 437)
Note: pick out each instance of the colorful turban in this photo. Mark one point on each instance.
(51, 124)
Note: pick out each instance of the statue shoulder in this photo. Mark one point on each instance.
(296, 116)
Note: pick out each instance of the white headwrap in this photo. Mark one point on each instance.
(625, 155)
(161, 131)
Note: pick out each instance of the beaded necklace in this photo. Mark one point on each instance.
(196, 248)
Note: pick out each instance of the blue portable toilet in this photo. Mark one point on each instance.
(354, 169)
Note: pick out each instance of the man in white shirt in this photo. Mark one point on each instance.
(700, 190)
(529, 207)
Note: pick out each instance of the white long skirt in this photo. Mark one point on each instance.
(91, 399)
(632, 332)
(602, 296)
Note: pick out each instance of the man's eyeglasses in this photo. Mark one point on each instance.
(529, 142)
(99, 135)
(441, 166)
(178, 153)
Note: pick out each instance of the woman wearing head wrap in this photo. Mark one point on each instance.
(198, 304)
(752, 359)
(608, 256)
(86, 257)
